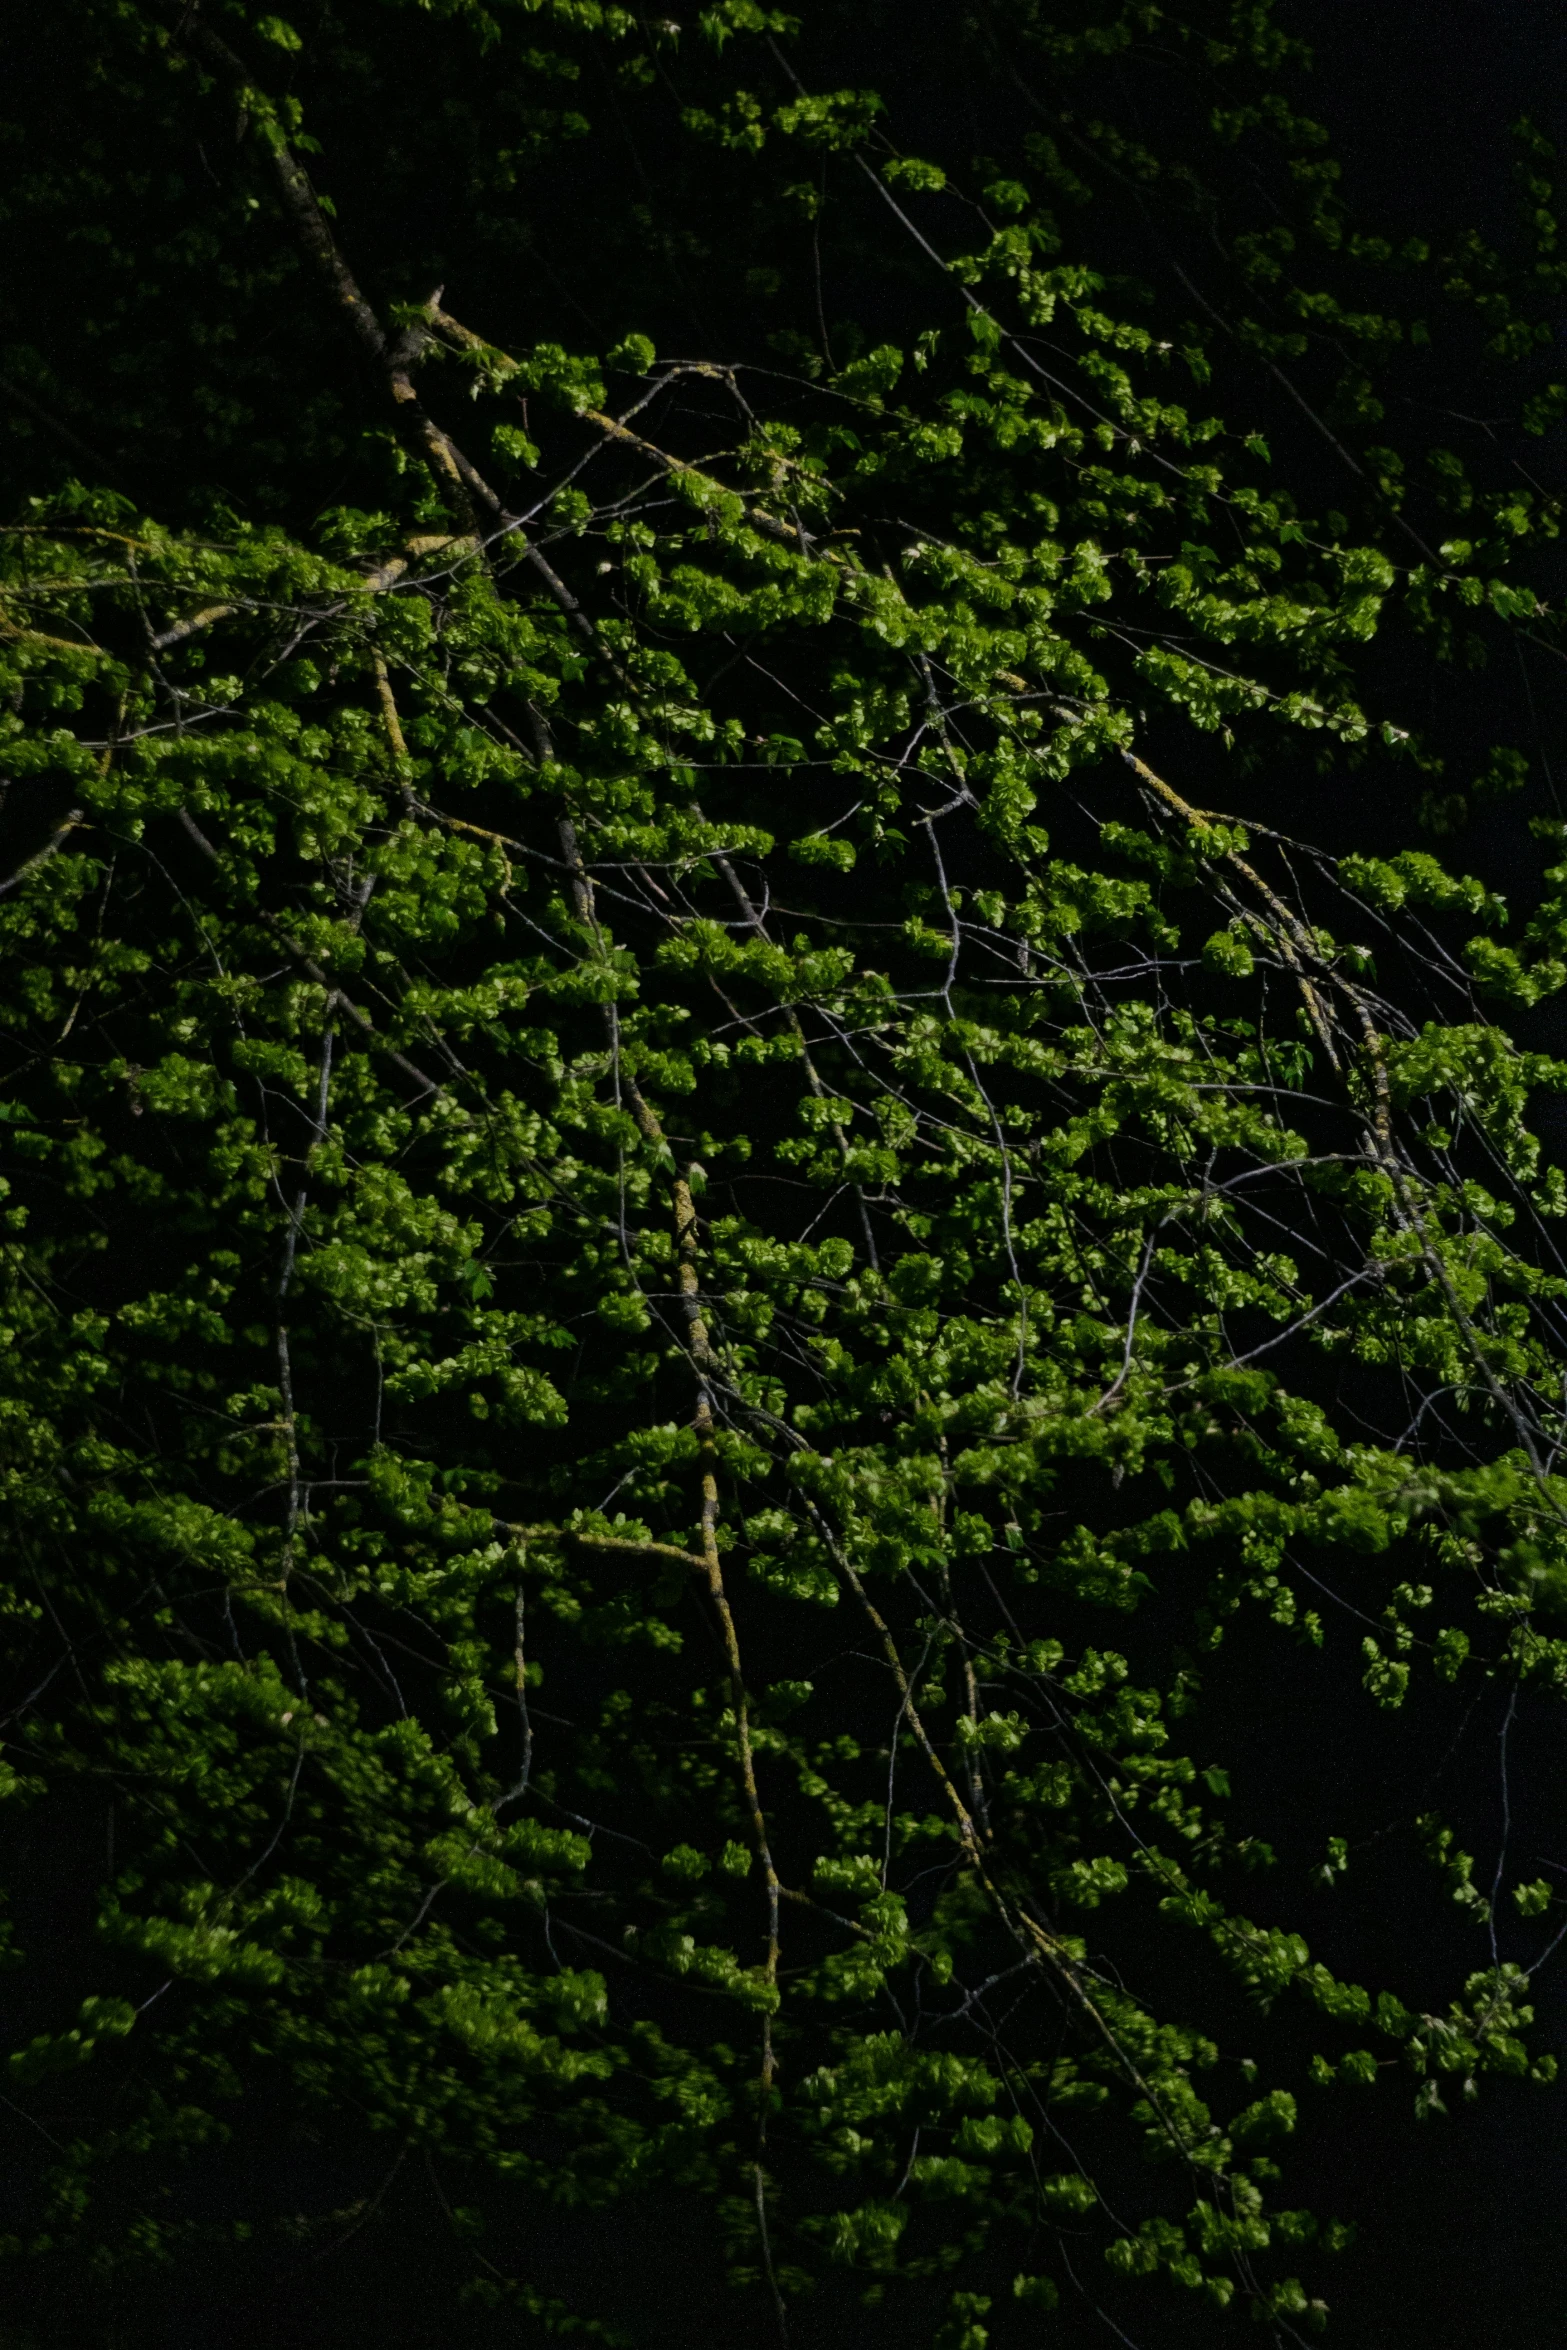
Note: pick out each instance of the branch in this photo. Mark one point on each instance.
(184, 628)
(390, 360)
(312, 970)
(71, 822)
(633, 1546)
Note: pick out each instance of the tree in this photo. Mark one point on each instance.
(743, 1284)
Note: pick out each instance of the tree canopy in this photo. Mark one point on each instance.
(783, 1306)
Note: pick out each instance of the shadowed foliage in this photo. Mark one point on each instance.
(783, 1316)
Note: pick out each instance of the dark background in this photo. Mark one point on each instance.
(1464, 2220)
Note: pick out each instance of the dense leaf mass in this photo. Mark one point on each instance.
(742, 1283)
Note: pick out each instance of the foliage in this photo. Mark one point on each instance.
(683, 1254)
